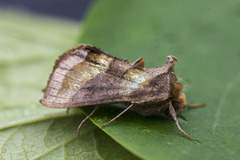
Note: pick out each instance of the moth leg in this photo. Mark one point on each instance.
(117, 116)
(80, 125)
(196, 105)
(174, 116)
(68, 110)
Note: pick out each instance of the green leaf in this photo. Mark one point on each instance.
(204, 36)
(28, 130)
(57, 139)
(26, 61)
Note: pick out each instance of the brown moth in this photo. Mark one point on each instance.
(87, 76)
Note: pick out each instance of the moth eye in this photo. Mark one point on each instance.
(120, 65)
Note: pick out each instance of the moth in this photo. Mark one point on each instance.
(86, 75)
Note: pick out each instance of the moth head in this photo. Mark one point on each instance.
(171, 61)
(180, 103)
(178, 98)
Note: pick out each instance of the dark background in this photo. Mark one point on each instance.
(70, 9)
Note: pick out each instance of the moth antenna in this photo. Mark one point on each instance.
(196, 105)
(174, 116)
(117, 116)
(80, 125)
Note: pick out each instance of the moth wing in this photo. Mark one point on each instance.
(107, 88)
(87, 76)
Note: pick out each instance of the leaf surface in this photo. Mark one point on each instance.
(204, 36)
(29, 130)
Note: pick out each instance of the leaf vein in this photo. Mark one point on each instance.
(59, 145)
(226, 92)
(11, 135)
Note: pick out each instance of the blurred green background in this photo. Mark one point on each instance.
(203, 35)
